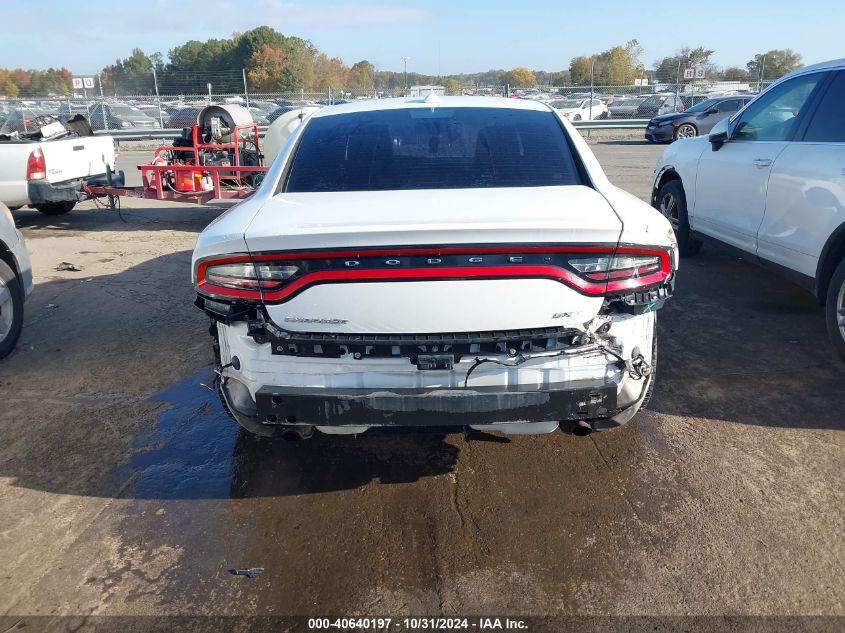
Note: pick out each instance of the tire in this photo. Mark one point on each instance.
(685, 130)
(577, 117)
(835, 309)
(11, 309)
(672, 203)
(56, 208)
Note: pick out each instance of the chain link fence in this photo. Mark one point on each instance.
(150, 110)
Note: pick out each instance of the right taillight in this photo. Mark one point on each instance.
(627, 269)
(36, 167)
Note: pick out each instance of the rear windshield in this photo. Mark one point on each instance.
(432, 148)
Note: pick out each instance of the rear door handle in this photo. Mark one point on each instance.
(762, 162)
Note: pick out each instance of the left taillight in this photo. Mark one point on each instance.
(624, 271)
(242, 279)
(36, 166)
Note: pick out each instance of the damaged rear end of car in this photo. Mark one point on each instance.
(416, 265)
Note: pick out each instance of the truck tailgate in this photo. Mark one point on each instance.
(78, 157)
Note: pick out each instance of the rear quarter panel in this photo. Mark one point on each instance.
(13, 157)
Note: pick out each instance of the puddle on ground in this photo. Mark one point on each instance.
(194, 450)
(187, 452)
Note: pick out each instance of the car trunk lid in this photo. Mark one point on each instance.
(429, 261)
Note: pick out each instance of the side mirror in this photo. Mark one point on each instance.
(718, 135)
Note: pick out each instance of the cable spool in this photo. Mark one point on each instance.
(219, 121)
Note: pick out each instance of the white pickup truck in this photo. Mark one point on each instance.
(47, 173)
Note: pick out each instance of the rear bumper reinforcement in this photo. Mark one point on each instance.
(433, 407)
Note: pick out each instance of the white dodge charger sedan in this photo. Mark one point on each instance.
(435, 261)
(770, 181)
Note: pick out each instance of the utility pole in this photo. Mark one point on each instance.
(158, 99)
(762, 73)
(405, 60)
(592, 86)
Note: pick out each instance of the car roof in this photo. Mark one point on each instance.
(373, 105)
(834, 63)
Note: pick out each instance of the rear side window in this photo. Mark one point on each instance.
(432, 148)
(828, 124)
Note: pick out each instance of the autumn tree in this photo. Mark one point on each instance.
(621, 65)
(580, 70)
(329, 72)
(773, 64)
(519, 77)
(362, 77)
(266, 65)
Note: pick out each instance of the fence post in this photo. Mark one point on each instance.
(158, 99)
(102, 103)
(246, 90)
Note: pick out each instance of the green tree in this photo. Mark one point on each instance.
(773, 64)
(733, 73)
(132, 75)
(666, 70)
(452, 86)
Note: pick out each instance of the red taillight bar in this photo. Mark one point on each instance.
(519, 271)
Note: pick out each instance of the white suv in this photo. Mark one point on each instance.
(438, 261)
(770, 181)
(15, 281)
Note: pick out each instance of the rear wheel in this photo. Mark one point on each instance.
(11, 309)
(577, 117)
(672, 203)
(686, 130)
(835, 309)
(55, 208)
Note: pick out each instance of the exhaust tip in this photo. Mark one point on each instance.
(297, 433)
(582, 428)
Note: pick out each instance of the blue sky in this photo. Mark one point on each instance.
(439, 37)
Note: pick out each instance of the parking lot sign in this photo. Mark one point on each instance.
(699, 73)
(689, 73)
(77, 83)
(88, 82)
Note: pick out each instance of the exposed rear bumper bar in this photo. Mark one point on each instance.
(433, 407)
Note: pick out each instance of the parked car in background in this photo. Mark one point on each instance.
(156, 113)
(770, 181)
(15, 281)
(362, 285)
(286, 106)
(656, 104)
(117, 116)
(698, 119)
(580, 109)
(185, 116)
(24, 120)
(624, 108)
(66, 110)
